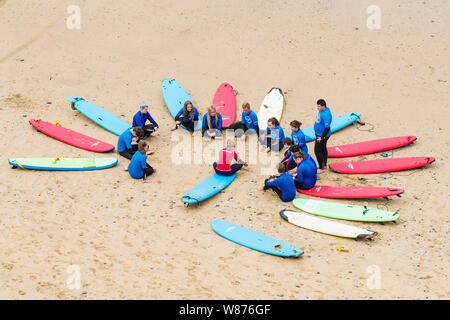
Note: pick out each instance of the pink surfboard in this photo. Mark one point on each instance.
(225, 103)
(381, 165)
(71, 137)
(351, 192)
(368, 147)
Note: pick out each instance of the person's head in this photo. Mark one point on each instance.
(295, 125)
(138, 132)
(212, 112)
(188, 106)
(272, 123)
(144, 107)
(143, 146)
(246, 107)
(298, 157)
(321, 104)
(287, 142)
(230, 144)
(281, 168)
(294, 148)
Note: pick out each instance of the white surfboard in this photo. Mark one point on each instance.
(272, 106)
(325, 226)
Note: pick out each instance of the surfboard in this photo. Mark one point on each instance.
(368, 147)
(63, 164)
(345, 211)
(271, 106)
(337, 124)
(71, 137)
(254, 240)
(207, 188)
(174, 97)
(326, 226)
(351, 192)
(381, 165)
(100, 116)
(225, 103)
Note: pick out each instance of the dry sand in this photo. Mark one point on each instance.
(132, 240)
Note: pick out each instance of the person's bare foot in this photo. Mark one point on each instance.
(243, 137)
(267, 150)
(261, 188)
(194, 133)
(173, 129)
(150, 152)
(319, 171)
(125, 169)
(146, 181)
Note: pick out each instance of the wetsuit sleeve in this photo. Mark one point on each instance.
(150, 118)
(219, 122)
(177, 117)
(327, 124)
(194, 115)
(205, 123)
(257, 130)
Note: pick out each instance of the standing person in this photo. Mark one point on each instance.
(212, 123)
(248, 124)
(226, 156)
(138, 167)
(322, 131)
(306, 175)
(124, 146)
(283, 185)
(298, 136)
(187, 116)
(141, 117)
(273, 137)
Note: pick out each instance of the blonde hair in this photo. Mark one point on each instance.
(208, 117)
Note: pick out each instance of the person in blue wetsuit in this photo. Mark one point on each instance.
(124, 145)
(141, 117)
(248, 124)
(187, 116)
(273, 137)
(322, 128)
(298, 137)
(212, 123)
(282, 185)
(305, 176)
(138, 167)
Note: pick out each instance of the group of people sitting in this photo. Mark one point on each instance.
(297, 169)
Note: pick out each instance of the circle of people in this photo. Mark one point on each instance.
(297, 170)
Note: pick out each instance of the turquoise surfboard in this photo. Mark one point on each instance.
(63, 164)
(207, 188)
(100, 116)
(174, 97)
(337, 123)
(254, 240)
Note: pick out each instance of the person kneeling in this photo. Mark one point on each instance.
(306, 175)
(138, 167)
(282, 185)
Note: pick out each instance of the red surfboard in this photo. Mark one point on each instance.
(225, 103)
(71, 137)
(381, 165)
(367, 147)
(351, 192)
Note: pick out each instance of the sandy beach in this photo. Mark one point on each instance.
(132, 240)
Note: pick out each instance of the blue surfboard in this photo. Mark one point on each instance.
(254, 240)
(174, 97)
(207, 188)
(100, 116)
(336, 124)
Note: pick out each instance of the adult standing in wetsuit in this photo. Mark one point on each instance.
(322, 130)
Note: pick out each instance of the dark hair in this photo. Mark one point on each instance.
(321, 102)
(274, 121)
(299, 154)
(281, 168)
(287, 141)
(295, 123)
(294, 148)
(139, 132)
